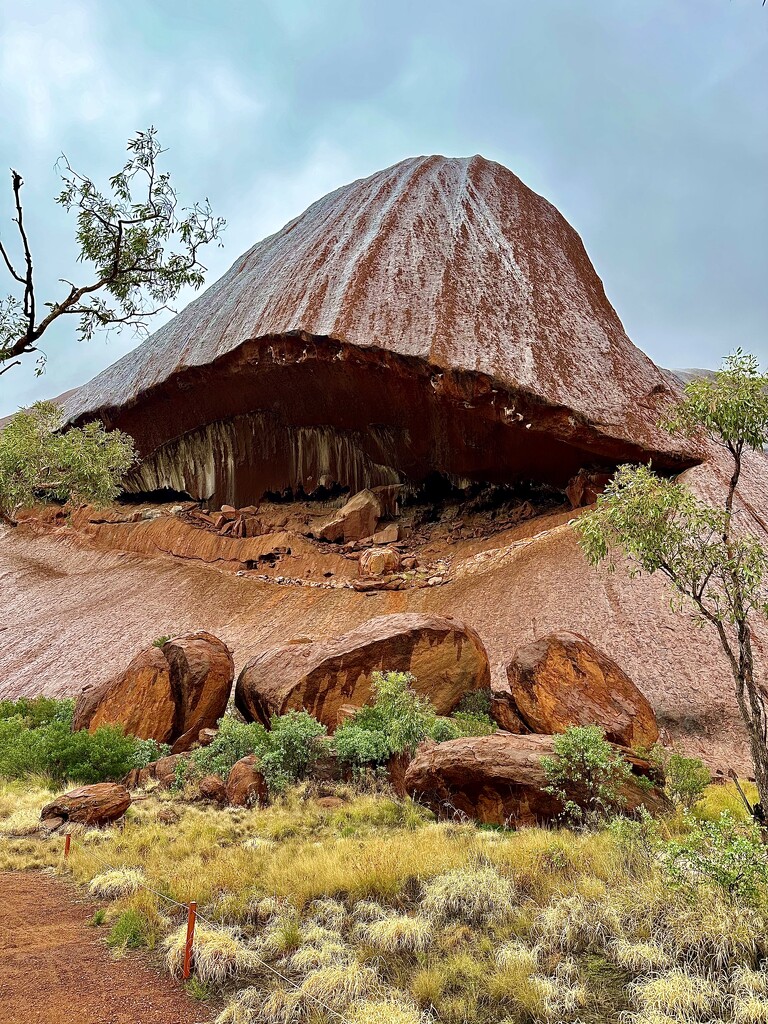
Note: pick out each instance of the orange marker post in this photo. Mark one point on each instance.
(191, 918)
(67, 842)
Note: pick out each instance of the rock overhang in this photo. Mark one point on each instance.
(438, 316)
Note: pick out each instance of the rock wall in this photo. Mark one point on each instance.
(64, 599)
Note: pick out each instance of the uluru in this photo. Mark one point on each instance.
(438, 318)
(393, 406)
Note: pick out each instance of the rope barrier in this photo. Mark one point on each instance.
(192, 918)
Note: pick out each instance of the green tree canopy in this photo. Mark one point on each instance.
(709, 555)
(142, 248)
(38, 461)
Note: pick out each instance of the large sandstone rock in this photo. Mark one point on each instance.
(246, 785)
(446, 657)
(500, 780)
(89, 805)
(436, 317)
(357, 519)
(167, 693)
(563, 680)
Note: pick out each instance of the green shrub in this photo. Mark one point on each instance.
(726, 854)
(233, 740)
(477, 704)
(147, 751)
(39, 741)
(286, 751)
(467, 724)
(37, 711)
(586, 761)
(292, 749)
(360, 747)
(399, 719)
(686, 779)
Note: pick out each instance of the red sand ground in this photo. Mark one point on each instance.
(55, 969)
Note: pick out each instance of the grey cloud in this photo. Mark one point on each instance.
(644, 122)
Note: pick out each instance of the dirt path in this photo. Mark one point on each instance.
(54, 969)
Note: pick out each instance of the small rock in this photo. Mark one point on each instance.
(389, 535)
(212, 787)
(246, 785)
(379, 562)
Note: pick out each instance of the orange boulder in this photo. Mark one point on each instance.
(446, 657)
(246, 785)
(167, 693)
(500, 780)
(89, 805)
(563, 680)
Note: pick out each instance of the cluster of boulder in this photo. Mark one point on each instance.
(176, 690)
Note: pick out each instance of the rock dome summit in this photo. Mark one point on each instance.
(436, 318)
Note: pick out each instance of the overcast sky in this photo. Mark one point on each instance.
(644, 121)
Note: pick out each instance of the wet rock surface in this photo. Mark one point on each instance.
(246, 785)
(500, 780)
(446, 657)
(168, 692)
(514, 573)
(564, 680)
(88, 805)
(385, 335)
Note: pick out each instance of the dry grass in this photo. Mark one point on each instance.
(217, 954)
(476, 896)
(116, 882)
(386, 916)
(679, 994)
(399, 933)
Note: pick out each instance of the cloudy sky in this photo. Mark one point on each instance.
(644, 121)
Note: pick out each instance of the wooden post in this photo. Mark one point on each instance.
(67, 842)
(191, 917)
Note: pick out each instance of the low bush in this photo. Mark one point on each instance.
(584, 760)
(399, 719)
(286, 751)
(37, 711)
(42, 743)
(727, 854)
(686, 779)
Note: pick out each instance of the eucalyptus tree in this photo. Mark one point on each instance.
(711, 557)
(41, 462)
(141, 247)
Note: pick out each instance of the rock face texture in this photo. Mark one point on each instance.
(357, 519)
(438, 316)
(246, 785)
(446, 657)
(499, 780)
(167, 693)
(89, 805)
(565, 680)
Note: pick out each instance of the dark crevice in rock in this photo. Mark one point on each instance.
(301, 414)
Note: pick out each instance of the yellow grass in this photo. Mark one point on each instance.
(375, 909)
